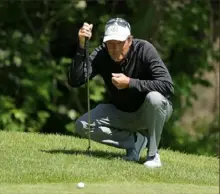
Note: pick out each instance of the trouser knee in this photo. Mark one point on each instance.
(156, 100)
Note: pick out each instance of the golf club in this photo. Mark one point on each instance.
(88, 92)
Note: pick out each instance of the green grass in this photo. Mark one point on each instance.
(37, 163)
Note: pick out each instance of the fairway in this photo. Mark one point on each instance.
(37, 163)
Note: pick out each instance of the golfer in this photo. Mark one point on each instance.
(139, 86)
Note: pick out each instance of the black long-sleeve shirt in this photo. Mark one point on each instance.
(142, 64)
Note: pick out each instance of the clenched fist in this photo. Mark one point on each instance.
(85, 31)
(120, 80)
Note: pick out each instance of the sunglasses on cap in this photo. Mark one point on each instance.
(119, 21)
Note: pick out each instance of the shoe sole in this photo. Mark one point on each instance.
(152, 166)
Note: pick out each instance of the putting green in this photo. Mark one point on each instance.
(131, 188)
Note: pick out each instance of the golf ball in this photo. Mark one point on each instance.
(80, 185)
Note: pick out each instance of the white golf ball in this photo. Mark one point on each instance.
(80, 185)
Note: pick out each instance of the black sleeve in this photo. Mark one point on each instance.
(77, 73)
(161, 79)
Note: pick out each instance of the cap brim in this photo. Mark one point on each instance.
(114, 37)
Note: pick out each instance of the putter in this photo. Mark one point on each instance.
(88, 93)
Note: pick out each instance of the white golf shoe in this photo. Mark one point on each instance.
(153, 162)
(134, 154)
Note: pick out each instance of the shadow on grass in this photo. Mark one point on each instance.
(93, 153)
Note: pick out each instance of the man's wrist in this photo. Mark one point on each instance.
(80, 51)
(132, 83)
(82, 45)
(128, 82)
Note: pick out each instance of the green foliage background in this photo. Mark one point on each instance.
(39, 38)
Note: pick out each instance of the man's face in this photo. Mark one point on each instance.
(118, 49)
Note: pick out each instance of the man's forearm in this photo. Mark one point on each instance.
(76, 74)
(164, 87)
(78, 70)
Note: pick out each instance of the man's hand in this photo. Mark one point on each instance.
(120, 80)
(85, 31)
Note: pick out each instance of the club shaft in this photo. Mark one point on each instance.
(88, 94)
(89, 118)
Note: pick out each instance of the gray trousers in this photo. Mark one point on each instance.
(116, 128)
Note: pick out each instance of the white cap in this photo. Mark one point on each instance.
(116, 32)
